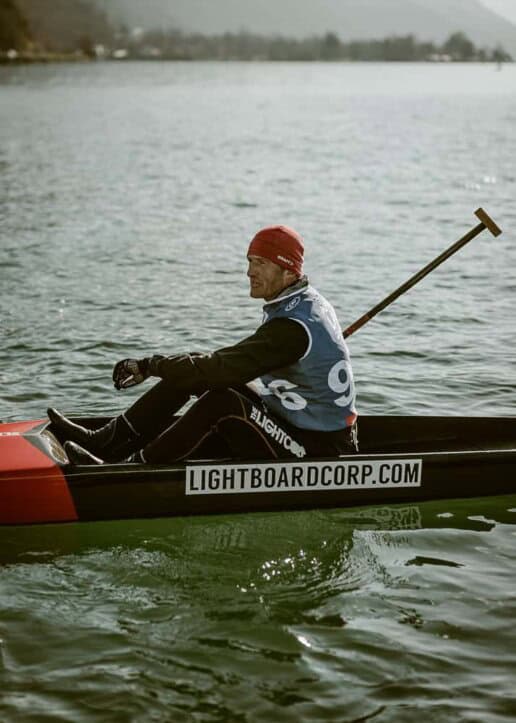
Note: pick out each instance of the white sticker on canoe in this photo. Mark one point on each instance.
(296, 477)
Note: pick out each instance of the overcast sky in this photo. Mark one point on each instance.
(507, 8)
(176, 10)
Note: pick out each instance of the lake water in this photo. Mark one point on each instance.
(128, 194)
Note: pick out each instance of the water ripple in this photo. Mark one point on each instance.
(125, 223)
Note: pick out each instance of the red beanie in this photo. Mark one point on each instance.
(280, 244)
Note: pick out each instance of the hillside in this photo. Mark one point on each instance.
(14, 30)
(351, 19)
(65, 25)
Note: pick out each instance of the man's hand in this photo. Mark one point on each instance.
(129, 372)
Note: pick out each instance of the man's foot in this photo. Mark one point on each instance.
(78, 455)
(113, 442)
(68, 430)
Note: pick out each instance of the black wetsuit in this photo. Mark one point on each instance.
(228, 418)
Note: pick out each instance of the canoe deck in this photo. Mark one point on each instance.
(410, 434)
(406, 434)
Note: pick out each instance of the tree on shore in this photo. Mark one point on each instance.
(66, 26)
(459, 47)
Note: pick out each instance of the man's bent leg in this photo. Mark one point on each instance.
(242, 426)
(154, 411)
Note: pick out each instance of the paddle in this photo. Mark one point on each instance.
(485, 222)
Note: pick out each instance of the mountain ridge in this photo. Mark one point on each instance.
(431, 20)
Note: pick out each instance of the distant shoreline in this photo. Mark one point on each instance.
(44, 58)
(245, 47)
(60, 58)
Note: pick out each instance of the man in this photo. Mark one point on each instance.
(286, 391)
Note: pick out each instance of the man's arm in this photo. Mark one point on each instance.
(274, 345)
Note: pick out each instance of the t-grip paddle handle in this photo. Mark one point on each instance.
(488, 221)
(485, 222)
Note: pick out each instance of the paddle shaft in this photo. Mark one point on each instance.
(485, 222)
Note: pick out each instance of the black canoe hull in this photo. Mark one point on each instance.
(160, 493)
(402, 459)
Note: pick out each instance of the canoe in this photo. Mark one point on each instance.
(403, 459)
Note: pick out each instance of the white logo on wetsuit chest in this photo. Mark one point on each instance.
(292, 304)
(277, 433)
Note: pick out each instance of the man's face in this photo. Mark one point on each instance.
(266, 278)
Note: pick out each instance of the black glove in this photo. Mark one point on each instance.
(129, 372)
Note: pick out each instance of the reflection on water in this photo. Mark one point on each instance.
(227, 534)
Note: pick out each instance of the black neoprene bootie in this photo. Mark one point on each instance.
(113, 442)
(77, 455)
